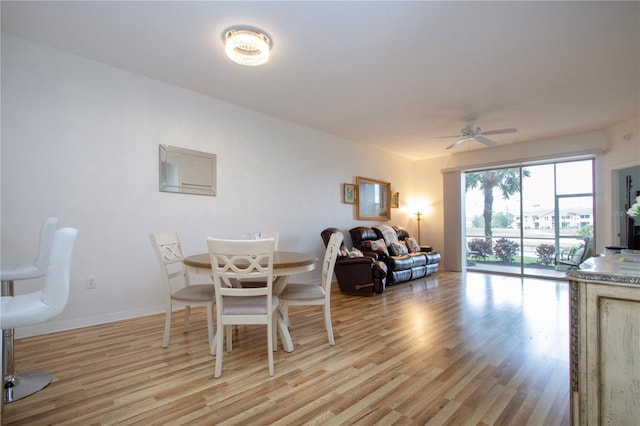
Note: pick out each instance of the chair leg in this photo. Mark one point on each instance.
(327, 323)
(287, 344)
(229, 333)
(213, 345)
(167, 327)
(219, 343)
(270, 343)
(210, 328)
(324, 315)
(274, 335)
(187, 315)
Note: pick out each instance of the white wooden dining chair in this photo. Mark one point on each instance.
(179, 292)
(233, 260)
(315, 294)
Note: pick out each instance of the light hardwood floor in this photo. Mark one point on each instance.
(474, 349)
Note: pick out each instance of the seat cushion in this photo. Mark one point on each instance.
(19, 272)
(400, 263)
(302, 292)
(195, 293)
(419, 259)
(25, 309)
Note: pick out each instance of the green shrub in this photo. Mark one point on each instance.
(586, 231)
(545, 253)
(506, 250)
(479, 248)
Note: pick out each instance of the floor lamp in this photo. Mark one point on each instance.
(419, 214)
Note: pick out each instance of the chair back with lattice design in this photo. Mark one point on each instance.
(329, 262)
(170, 257)
(274, 235)
(235, 260)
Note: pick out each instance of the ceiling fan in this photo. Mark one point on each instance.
(472, 131)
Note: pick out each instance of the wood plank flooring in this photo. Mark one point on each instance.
(449, 349)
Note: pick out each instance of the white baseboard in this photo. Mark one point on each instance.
(54, 326)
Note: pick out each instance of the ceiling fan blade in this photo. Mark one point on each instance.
(485, 141)
(499, 131)
(451, 136)
(456, 143)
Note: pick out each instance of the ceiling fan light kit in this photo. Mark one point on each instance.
(247, 46)
(473, 131)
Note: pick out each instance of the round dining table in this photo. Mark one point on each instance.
(285, 264)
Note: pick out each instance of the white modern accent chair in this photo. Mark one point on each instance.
(26, 383)
(315, 294)
(39, 307)
(233, 261)
(179, 292)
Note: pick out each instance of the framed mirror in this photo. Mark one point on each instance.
(187, 171)
(373, 199)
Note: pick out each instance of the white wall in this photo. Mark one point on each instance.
(80, 142)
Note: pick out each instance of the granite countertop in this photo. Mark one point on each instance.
(604, 268)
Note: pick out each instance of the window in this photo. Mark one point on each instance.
(511, 215)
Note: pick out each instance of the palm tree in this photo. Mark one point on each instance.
(507, 180)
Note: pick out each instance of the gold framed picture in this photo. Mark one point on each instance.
(373, 199)
(395, 199)
(349, 193)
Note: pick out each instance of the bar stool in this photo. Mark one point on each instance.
(18, 386)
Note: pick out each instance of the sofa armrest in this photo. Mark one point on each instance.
(372, 254)
(360, 275)
(354, 260)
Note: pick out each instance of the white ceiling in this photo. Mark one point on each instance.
(395, 75)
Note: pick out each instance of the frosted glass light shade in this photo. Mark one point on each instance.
(247, 47)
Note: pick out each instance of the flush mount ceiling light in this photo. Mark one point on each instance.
(247, 46)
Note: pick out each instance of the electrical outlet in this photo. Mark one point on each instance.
(91, 283)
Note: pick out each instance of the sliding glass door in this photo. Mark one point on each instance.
(520, 220)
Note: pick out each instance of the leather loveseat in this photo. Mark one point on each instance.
(400, 267)
(357, 275)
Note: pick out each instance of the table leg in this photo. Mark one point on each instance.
(285, 336)
(16, 386)
(279, 284)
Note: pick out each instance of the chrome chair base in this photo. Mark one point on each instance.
(22, 385)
